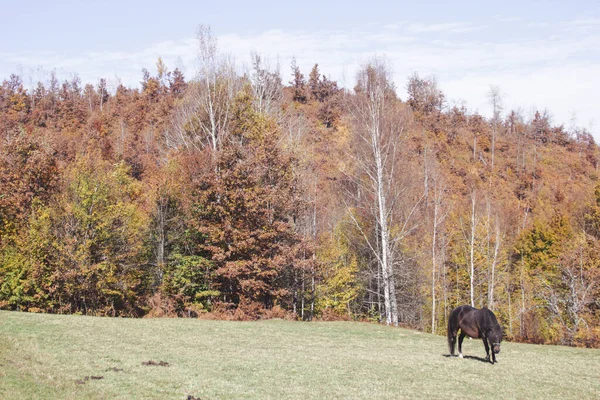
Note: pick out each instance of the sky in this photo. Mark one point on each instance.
(542, 55)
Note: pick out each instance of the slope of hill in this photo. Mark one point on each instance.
(62, 357)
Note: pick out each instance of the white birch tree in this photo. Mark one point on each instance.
(379, 125)
(439, 215)
(267, 88)
(202, 119)
(495, 98)
(471, 239)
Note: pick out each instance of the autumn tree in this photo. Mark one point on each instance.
(103, 94)
(82, 252)
(424, 96)
(538, 250)
(298, 83)
(244, 213)
(177, 83)
(99, 229)
(14, 102)
(28, 171)
(314, 82)
(338, 277)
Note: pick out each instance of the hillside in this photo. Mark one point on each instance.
(49, 356)
(255, 194)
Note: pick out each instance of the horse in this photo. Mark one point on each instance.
(475, 323)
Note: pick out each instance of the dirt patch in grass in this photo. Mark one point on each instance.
(88, 378)
(156, 363)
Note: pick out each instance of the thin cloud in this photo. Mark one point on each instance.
(450, 27)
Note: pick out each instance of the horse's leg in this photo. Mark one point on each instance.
(493, 354)
(452, 343)
(487, 349)
(452, 329)
(460, 340)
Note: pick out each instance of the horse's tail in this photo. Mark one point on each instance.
(452, 329)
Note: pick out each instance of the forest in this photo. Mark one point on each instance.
(265, 194)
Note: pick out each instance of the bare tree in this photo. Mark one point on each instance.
(267, 88)
(573, 294)
(102, 92)
(495, 98)
(202, 119)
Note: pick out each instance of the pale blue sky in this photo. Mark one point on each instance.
(543, 54)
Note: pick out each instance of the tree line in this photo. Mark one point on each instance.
(243, 195)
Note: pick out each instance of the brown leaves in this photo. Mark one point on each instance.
(243, 212)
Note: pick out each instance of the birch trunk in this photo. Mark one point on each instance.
(494, 262)
(472, 251)
(433, 266)
(389, 293)
(438, 217)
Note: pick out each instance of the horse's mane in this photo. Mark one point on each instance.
(491, 321)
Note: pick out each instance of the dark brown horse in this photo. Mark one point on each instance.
(476, 324)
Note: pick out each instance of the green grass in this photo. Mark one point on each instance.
(43, 357)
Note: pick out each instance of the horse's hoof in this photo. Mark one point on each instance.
(460, 356)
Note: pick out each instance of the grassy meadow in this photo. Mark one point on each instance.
(64, 357)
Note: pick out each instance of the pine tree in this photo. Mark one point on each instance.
(298, 84)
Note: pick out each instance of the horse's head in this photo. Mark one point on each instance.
(494, 330)
(495, 338)
(496, 347)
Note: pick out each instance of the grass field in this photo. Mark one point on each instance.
(50, 356)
